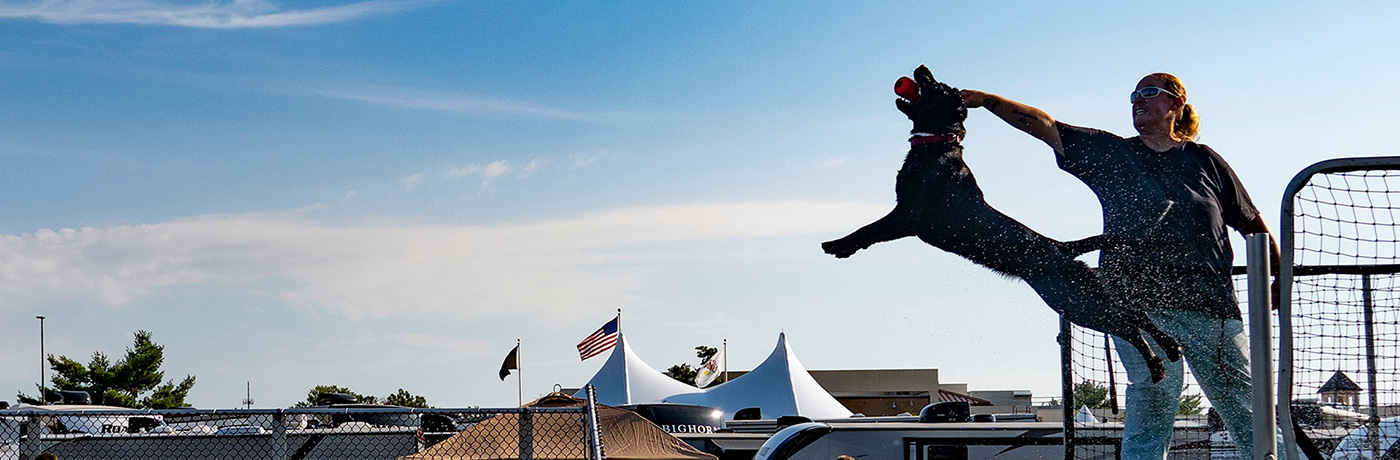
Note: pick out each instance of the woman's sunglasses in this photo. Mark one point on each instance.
(1149, 92)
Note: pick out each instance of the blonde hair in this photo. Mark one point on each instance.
(1188, 124)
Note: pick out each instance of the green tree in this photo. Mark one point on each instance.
(1092, 394)
(1190, 405)
(319, 390)
(684, 373)
(1095, 396)
(124, 383)
(399, 398)
(406, 399)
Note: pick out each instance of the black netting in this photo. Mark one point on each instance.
(1345, 326)
(1346, 310)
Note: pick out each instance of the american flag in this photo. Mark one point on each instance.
(602, 340)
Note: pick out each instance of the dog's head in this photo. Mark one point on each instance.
(940, 107)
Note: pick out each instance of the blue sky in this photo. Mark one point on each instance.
(387, 194)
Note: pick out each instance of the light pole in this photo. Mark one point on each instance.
(43, 400)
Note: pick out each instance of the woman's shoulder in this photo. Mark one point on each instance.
(1082, 137)
(1203, 152)
(1208, 158)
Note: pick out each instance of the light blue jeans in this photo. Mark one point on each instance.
(1218, 352)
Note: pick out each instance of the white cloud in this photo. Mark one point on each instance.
(581, 159)
(233, 14)
(487, 172)
(598, 260)
(453, 102)
(492, 170)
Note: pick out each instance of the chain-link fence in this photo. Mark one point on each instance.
(311, 433)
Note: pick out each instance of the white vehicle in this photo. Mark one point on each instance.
(965, 440)
(241, 430)
(65, 419)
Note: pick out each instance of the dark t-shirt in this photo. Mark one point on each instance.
(1172, 208)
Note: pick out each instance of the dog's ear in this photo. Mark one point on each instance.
(923, 75)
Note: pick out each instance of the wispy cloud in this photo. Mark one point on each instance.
(232, 14)
(487, 172)
(459, 102)
(598, 260)
(490, 172)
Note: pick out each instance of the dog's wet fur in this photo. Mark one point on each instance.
(938, 201)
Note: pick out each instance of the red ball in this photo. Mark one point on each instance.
(906, 88)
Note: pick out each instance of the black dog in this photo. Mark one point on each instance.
(939, 202)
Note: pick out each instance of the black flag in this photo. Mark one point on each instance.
(512, 362)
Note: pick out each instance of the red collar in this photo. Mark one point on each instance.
(921, 139)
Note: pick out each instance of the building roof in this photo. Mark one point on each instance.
(1339, 382)
(946, 396)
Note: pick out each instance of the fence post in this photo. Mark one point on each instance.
(1261, 361)
(1066, 339)
(527, 448)
(34, 443)
(279, 435)
(595, 441)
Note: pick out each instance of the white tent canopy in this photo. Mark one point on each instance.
(779, 386)
(626, 379)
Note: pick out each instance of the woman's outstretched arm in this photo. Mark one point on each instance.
(1033, 121)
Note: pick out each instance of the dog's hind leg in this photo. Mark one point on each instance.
(1073, 289)
(895, 225)
(1083, 246)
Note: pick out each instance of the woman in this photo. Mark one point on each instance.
(1167, 202)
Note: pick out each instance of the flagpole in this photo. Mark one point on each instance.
(519, 377)
(726, 359)
(619, 321)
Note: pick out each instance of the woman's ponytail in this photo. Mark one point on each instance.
(1188, 125)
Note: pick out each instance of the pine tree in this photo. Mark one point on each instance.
(124, 383)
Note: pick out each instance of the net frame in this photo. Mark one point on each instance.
(1323, 260)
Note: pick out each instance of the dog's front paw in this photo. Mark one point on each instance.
(839, 248)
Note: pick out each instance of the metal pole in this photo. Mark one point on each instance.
(519, 377)
(726, 359)
(1368, 314)
(1261, 361)
(595, 440)
(1067, 384)
(43, 399)
(525, 431)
